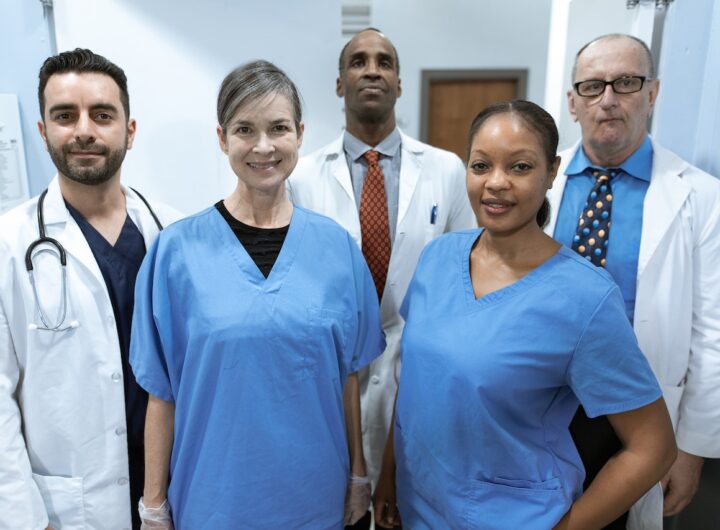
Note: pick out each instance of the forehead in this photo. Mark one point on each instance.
(81, 89)
(507, 131)
(611, 58)
(369, 43)
(269, 107)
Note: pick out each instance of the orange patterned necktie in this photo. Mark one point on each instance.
(374, 222)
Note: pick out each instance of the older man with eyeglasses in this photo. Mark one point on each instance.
(653, 222)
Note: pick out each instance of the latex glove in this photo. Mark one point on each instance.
(357, 499)
(682, 482)
(155, 518)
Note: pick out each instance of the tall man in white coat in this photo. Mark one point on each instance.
(422, 197)
(71, 413)
(661, 245)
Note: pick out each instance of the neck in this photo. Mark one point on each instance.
(523, 249)
(260, 208)
(97, 201)
(370, 133)
(608, 156)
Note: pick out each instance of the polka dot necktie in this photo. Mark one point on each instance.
(374, 222)
(593, 231)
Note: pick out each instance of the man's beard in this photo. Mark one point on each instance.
(91, 175)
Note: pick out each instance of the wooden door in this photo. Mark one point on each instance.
(451, 105)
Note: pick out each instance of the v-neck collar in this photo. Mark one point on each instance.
(513, 289)
(249, 269)
(99, 239)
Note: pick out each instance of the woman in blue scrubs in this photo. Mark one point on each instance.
(506, 333)
(251, 320)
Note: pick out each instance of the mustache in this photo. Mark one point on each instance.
(87, 147)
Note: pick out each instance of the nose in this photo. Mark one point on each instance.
(84, 129)
(372, 68)
(608, 98)
(264, 145)
(497, 180)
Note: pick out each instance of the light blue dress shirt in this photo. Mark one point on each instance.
(629, 187)
(389, 161)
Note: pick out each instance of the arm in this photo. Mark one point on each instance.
(159, 425)
(357, 498)
(21, 504)
(385, 498)
(648, 452)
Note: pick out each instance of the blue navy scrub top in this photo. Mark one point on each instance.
(119, 265)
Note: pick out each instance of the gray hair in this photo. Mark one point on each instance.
(645, 49)
(250, 82)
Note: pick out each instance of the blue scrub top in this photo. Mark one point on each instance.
(256, 368)
(490, 385)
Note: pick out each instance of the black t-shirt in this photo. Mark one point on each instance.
(262, 244)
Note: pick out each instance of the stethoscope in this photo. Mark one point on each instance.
(47, 324)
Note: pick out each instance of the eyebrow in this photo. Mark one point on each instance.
(248, 122)
(71, 106)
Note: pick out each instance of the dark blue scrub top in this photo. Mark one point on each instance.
(119, 265)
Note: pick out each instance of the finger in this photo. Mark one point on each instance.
(674, 503)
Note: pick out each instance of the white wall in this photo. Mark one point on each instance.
(463, 34)
(175, 54)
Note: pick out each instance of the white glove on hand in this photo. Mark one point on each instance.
(155, 518)
(357, 499)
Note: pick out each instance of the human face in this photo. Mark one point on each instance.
(262, 142)
(85, 128)
(369, 79)
(508, 175)
(613, 125)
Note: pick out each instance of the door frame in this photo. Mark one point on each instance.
(428, 76)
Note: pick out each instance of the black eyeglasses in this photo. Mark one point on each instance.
(622, 85)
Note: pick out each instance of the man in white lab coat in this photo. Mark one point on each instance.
(392, 193)
(71, 414)
(663, 250)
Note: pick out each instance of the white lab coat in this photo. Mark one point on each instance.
(677, 307)
(428, 176)
(63, 447)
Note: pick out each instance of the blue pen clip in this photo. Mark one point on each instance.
(433, 214)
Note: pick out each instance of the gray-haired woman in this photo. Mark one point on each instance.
(251, 321)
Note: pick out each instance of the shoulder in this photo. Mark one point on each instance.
(309, 165)
(667, 161)
(17, 221)
(191, 226)
(448, 245)
(322, 223)
(580, 279)
(430, 153)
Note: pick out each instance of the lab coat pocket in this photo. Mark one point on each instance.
(512, 503)
(327, 341)
(63, 498)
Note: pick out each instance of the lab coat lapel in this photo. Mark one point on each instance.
(61, 225)
(339, 169)
(664, 198)
(140, 215)
(410, 167)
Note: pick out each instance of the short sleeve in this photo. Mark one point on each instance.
(608, 372)
(367, 340)
(147, 356)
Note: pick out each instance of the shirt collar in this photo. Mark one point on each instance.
(638, 164)
(356, 148)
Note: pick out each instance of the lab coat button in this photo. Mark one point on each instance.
(116, 377)
(375, 380)
(120, 431)
(122, 481)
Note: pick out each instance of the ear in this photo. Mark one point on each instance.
(653, 91)
(131, 129)
(222, 140)
(553, 171)
(399, 87)
(339, 88)
(43, 132)
(301, 131)
(571, 104)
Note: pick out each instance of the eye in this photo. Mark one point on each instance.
(243, 129)
(386, 64)
(63, 116)
(357, 63)
(103, 116)
(523, 167)
(281, 128)
(478, 166)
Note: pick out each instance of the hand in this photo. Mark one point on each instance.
(681, 483)
(155, 518)
(384, 501)
(357, 499)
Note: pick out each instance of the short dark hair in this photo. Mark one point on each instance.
(538, 120)
(82, 60)
(250, 82)
(344, 49)
(645, 49)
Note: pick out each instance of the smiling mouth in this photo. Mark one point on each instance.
(496, 206)
(263, 165)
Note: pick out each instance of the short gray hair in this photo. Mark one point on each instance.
(250, 82)
(645, 49)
